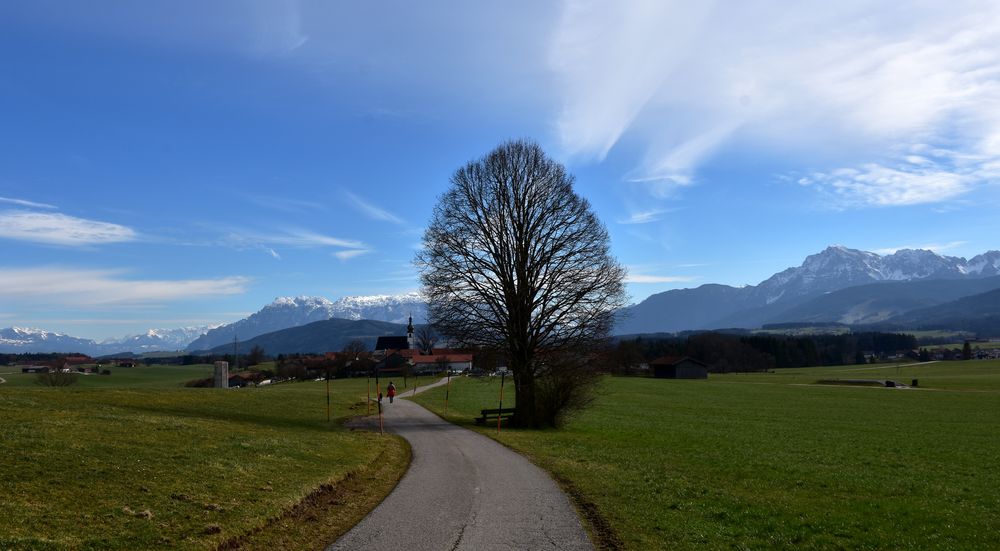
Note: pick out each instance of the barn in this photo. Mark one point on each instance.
(456, 363)
(669, 367)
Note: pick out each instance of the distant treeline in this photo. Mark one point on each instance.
(728, 353)
(53, 359)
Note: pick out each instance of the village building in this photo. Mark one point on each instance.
(436, 362)
(669, 367)
(34, 369)
(399, 354)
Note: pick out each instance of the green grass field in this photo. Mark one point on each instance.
(775, 461)
(136, 461)
(121, 377)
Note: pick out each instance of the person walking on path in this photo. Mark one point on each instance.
(391, 391)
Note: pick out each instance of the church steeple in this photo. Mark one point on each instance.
(409, 332)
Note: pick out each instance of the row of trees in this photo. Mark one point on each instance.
(728, 353)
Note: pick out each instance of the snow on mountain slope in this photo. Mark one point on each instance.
(286, 312)
(391, 308)
(18, 340)
(835, 268)
(159, 339)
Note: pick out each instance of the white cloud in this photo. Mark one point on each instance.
(311, 239)
(850, 79)
(85, 287)
(372, 211)
(350, 253)
(644, 217)
(610, 59)
(291, 238)
(295, 238)
(936, 247)
(880, 186)
(60, 229)
(646, 278)
(26, 203)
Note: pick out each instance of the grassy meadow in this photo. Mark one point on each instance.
(775, 461)
(121, 377)
(136, 461)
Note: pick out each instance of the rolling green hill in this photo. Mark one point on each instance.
(878, 302)
(979, 314)
(318, 337)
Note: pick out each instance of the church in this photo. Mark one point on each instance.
(396, 353)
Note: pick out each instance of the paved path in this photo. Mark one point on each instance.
(464, 491)
(893, 366)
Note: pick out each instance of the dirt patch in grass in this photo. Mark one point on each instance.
(602, 534)
(330, 510)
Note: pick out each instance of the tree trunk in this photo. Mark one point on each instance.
(524, 405)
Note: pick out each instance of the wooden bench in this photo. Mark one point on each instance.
(487, 414)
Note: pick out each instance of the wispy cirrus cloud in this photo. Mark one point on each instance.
(26, 203)
(918, 175)
(373, 211)
(293, 238)
(649, 278)
(89, 287)
(297, 238)
(350, 253)
(852, 79)
(60, 229)
(643, 217)
(877, 185)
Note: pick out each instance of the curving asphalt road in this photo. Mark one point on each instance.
(464, 491)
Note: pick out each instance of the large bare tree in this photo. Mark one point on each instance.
(514, 259)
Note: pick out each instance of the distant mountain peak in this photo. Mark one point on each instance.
(834, 268)
(300, 301)
(288, 312)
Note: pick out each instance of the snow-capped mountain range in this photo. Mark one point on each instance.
(22, 340)
(161, 339)
(838, 267)
(286, 312)
(710, 306)
(834, 269)
(282, 313)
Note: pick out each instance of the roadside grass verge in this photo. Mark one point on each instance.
(768, 461)
(140, 468)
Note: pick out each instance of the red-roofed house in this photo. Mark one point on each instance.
(433, 363)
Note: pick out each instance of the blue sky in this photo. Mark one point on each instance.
(166, 164)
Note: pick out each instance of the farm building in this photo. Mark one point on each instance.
(433, 363)
(34, 369)
(393, 362)
(669, 367)
(396, 361)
